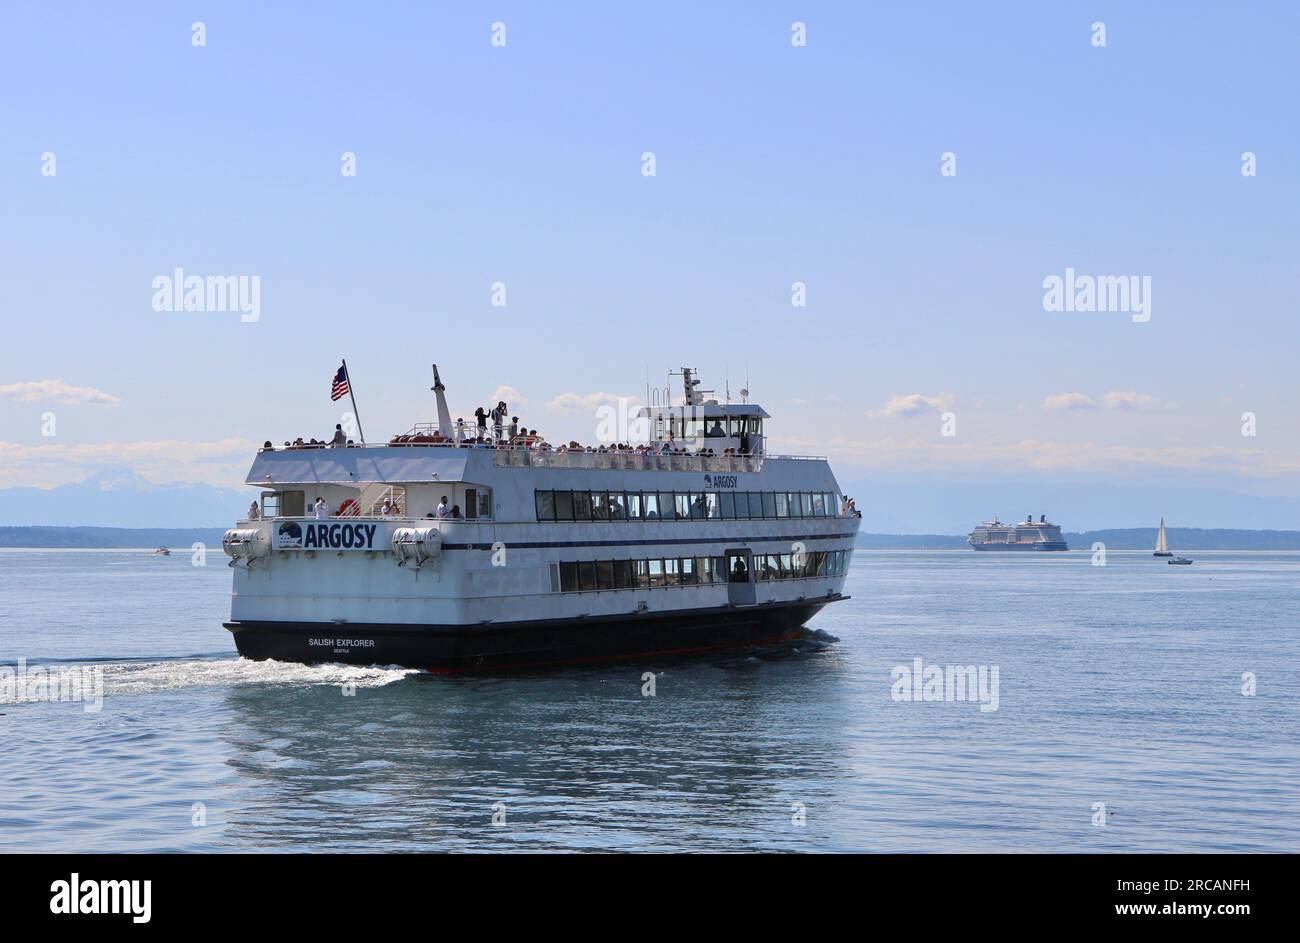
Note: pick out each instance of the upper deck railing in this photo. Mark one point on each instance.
(521, 456)
(635, 461)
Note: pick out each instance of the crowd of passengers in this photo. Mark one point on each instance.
(490, 430)
(527, 439)
(390, 508)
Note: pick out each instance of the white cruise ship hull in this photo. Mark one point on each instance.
(1039, 547)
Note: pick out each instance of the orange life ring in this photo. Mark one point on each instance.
(349, 508)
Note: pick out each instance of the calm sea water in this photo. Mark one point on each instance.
(1119, 685)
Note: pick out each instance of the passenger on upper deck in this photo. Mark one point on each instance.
(498, 419)
(442, 507)
(254, 513)
(340, 439)
(320, 510)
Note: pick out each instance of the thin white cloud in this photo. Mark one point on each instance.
(512, 397)
(1115, 399)
(943, 456)
(1070, 401)
(586, 400)
(222, 463)
(914, 404)
(59, 393)
(1118, 399)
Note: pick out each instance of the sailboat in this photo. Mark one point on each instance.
(1162, 542)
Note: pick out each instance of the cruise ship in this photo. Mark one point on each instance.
(1027, 535)
(454, 549)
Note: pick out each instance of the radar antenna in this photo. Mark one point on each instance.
(690, 382)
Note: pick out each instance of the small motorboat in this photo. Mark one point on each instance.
(1179, 561)
(162, 552)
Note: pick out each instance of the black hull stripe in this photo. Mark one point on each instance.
(534, 643)
(651, 615)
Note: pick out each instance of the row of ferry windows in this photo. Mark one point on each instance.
(691, 571)
(680, 505)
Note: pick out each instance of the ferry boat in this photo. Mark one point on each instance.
(456, 551)
(1027, 535)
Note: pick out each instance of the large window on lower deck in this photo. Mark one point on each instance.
(667, 572)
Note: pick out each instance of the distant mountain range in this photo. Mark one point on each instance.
(892, 506)
(117, 497)
(120, 498)
(1133, 538)
(1137, 538)
(179, 539)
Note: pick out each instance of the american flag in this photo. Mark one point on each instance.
(340, 387)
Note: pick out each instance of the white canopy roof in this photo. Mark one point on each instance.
(397, 464)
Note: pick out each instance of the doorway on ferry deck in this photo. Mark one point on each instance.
(740, 577)
(284, 504)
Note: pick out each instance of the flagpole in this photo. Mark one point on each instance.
(352, 393)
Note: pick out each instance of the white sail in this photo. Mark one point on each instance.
(1162, 544)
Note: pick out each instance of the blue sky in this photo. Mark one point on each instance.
(774, 164)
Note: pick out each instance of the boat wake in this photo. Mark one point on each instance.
(147, 677)
(127, 678)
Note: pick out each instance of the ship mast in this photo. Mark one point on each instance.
(444, 414)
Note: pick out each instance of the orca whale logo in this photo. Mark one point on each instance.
(290, 534)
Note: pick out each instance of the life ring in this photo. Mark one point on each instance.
(349, 508)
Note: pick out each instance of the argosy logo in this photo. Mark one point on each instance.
(318, 536)
(719, 481)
